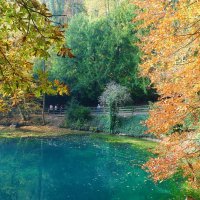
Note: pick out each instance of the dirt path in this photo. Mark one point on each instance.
(55, 120)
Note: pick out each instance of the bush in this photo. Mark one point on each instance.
(132, 125)
(78, 112)
(101, 123)
(77, 115)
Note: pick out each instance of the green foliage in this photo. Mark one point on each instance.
(134, 142)
(77, 115)
(105, 52)
(101, 122)
(132, 126)
(190, 192)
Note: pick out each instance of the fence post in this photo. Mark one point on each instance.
(132, 110)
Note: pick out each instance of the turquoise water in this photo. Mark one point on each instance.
(75, 167)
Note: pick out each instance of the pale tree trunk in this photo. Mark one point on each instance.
(108, 6)
(23, 118)
(43, 109)
(43, 99)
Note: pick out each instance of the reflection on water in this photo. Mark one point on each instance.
(75, 167)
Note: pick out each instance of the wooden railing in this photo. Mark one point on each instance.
(127, 110)
(122, 110)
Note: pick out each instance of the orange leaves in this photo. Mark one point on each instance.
(162, 168)
(172, 62)
(44, 86)
(65, 52)
(56, 82)
(177, 152)
(61, 88)
(167, 113)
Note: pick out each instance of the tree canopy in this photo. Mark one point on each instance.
(104, 52)
(171, 60)
(26, 32)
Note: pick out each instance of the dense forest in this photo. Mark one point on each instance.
(102, 38)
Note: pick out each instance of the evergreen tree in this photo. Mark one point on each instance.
(105, 51)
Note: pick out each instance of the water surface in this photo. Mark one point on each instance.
(75, 167)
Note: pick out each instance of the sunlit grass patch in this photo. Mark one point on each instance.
(34, 131)
(49, 131)
(135, 142)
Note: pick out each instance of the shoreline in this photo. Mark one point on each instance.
(46, 130)
(34, 131)
(52, 131)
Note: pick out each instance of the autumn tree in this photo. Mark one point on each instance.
(26, 32)
(171, 59)
(114, 96)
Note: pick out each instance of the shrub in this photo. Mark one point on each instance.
(77, 115)
(132, 126)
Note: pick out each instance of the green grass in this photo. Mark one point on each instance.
(45, 131)
(134, 142)
(34, 131)
(133, 126)
(195, 194)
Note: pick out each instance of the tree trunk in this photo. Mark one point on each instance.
(113, 117)
(43, 109)
(23, 118)
(189, 198)
(43, 99)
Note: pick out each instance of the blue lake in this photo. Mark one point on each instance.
(76, 167)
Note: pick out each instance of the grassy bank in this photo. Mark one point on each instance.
(34, 131)
(50, 131)
(134, 142)
(131, 125)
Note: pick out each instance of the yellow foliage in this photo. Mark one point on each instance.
(171, 59)
(26, 32)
